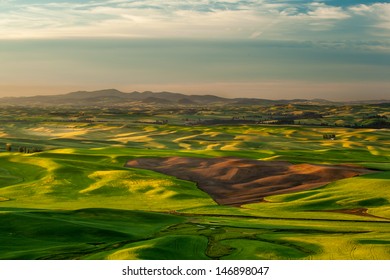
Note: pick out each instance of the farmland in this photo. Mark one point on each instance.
(66, 192)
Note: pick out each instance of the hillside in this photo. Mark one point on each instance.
(113, 97)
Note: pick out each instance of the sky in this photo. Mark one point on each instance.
(331, 49)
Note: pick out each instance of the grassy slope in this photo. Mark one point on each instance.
(28, 234)
(68, 181)
(90, 175)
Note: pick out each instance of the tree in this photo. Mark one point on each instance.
(8, 147)
(329, 136)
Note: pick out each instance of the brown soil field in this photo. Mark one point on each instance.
(235, 181)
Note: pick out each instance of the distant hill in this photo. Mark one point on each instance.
(113, 97)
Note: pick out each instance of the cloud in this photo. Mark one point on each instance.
(378, 14)
(245, 19)
(322, 11)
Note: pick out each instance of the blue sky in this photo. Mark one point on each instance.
(256, 48)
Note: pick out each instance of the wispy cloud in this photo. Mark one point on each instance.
(322, 11)
(377, 14)
(187, 19)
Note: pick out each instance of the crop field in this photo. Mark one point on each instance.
(73, 197)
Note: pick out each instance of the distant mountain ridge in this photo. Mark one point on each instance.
(113, 97)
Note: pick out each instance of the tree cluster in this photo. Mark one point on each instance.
(23, 149)
(29, 150)
(329, 136)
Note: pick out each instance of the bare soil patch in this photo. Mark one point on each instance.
(235, 181)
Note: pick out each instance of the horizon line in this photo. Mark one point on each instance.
(192, 94)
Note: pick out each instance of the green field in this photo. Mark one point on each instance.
(76, 200)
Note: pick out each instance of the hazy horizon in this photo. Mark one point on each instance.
(156, 90)
(335, 50)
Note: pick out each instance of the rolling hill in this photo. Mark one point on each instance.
(113, 97)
